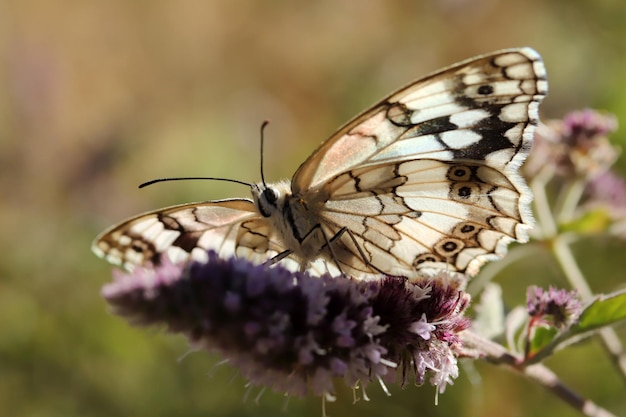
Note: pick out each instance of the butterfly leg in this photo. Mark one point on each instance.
(356, 245)
(327, 240)
(279, 257)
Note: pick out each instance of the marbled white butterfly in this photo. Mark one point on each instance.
(427, 178)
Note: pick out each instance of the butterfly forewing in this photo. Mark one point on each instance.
(479, 109)
(229, 227)
(427, 178)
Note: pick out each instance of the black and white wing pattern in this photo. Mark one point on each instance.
(427, 178)
(229, 227)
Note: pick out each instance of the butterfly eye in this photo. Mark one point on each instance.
(270, 195)
(267, 202)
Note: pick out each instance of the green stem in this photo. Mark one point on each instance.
(568, 264)
(545, 219)
(564, 256)
(610, 340)
(567, 208)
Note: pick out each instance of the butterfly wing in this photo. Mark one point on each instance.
(229, 227)
(423, 213)
(430, 173)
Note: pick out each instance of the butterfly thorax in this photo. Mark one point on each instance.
(294, 219)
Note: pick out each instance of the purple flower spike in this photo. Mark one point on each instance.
(423, 320)
(295, 332)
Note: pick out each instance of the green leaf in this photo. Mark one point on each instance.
(542, 337)
(592, 222)
(603, 311)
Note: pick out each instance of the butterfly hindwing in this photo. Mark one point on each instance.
(412, 214)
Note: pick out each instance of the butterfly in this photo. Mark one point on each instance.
(426, 179)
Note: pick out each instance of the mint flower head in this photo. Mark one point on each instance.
(575, 146)
(556, 307)
(585, 143)
(298, 333)
(584, 126)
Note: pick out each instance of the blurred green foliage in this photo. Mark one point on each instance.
(98, 96)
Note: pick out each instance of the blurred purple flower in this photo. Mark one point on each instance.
(294, 332)
(608, 189)
(576, 146)
(607, 192)
(584, 126)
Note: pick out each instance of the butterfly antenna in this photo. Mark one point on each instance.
(263, 125)
(145, 184)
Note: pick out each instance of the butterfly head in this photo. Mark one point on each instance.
(270, 199)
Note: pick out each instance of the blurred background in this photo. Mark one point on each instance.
(97, 96)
